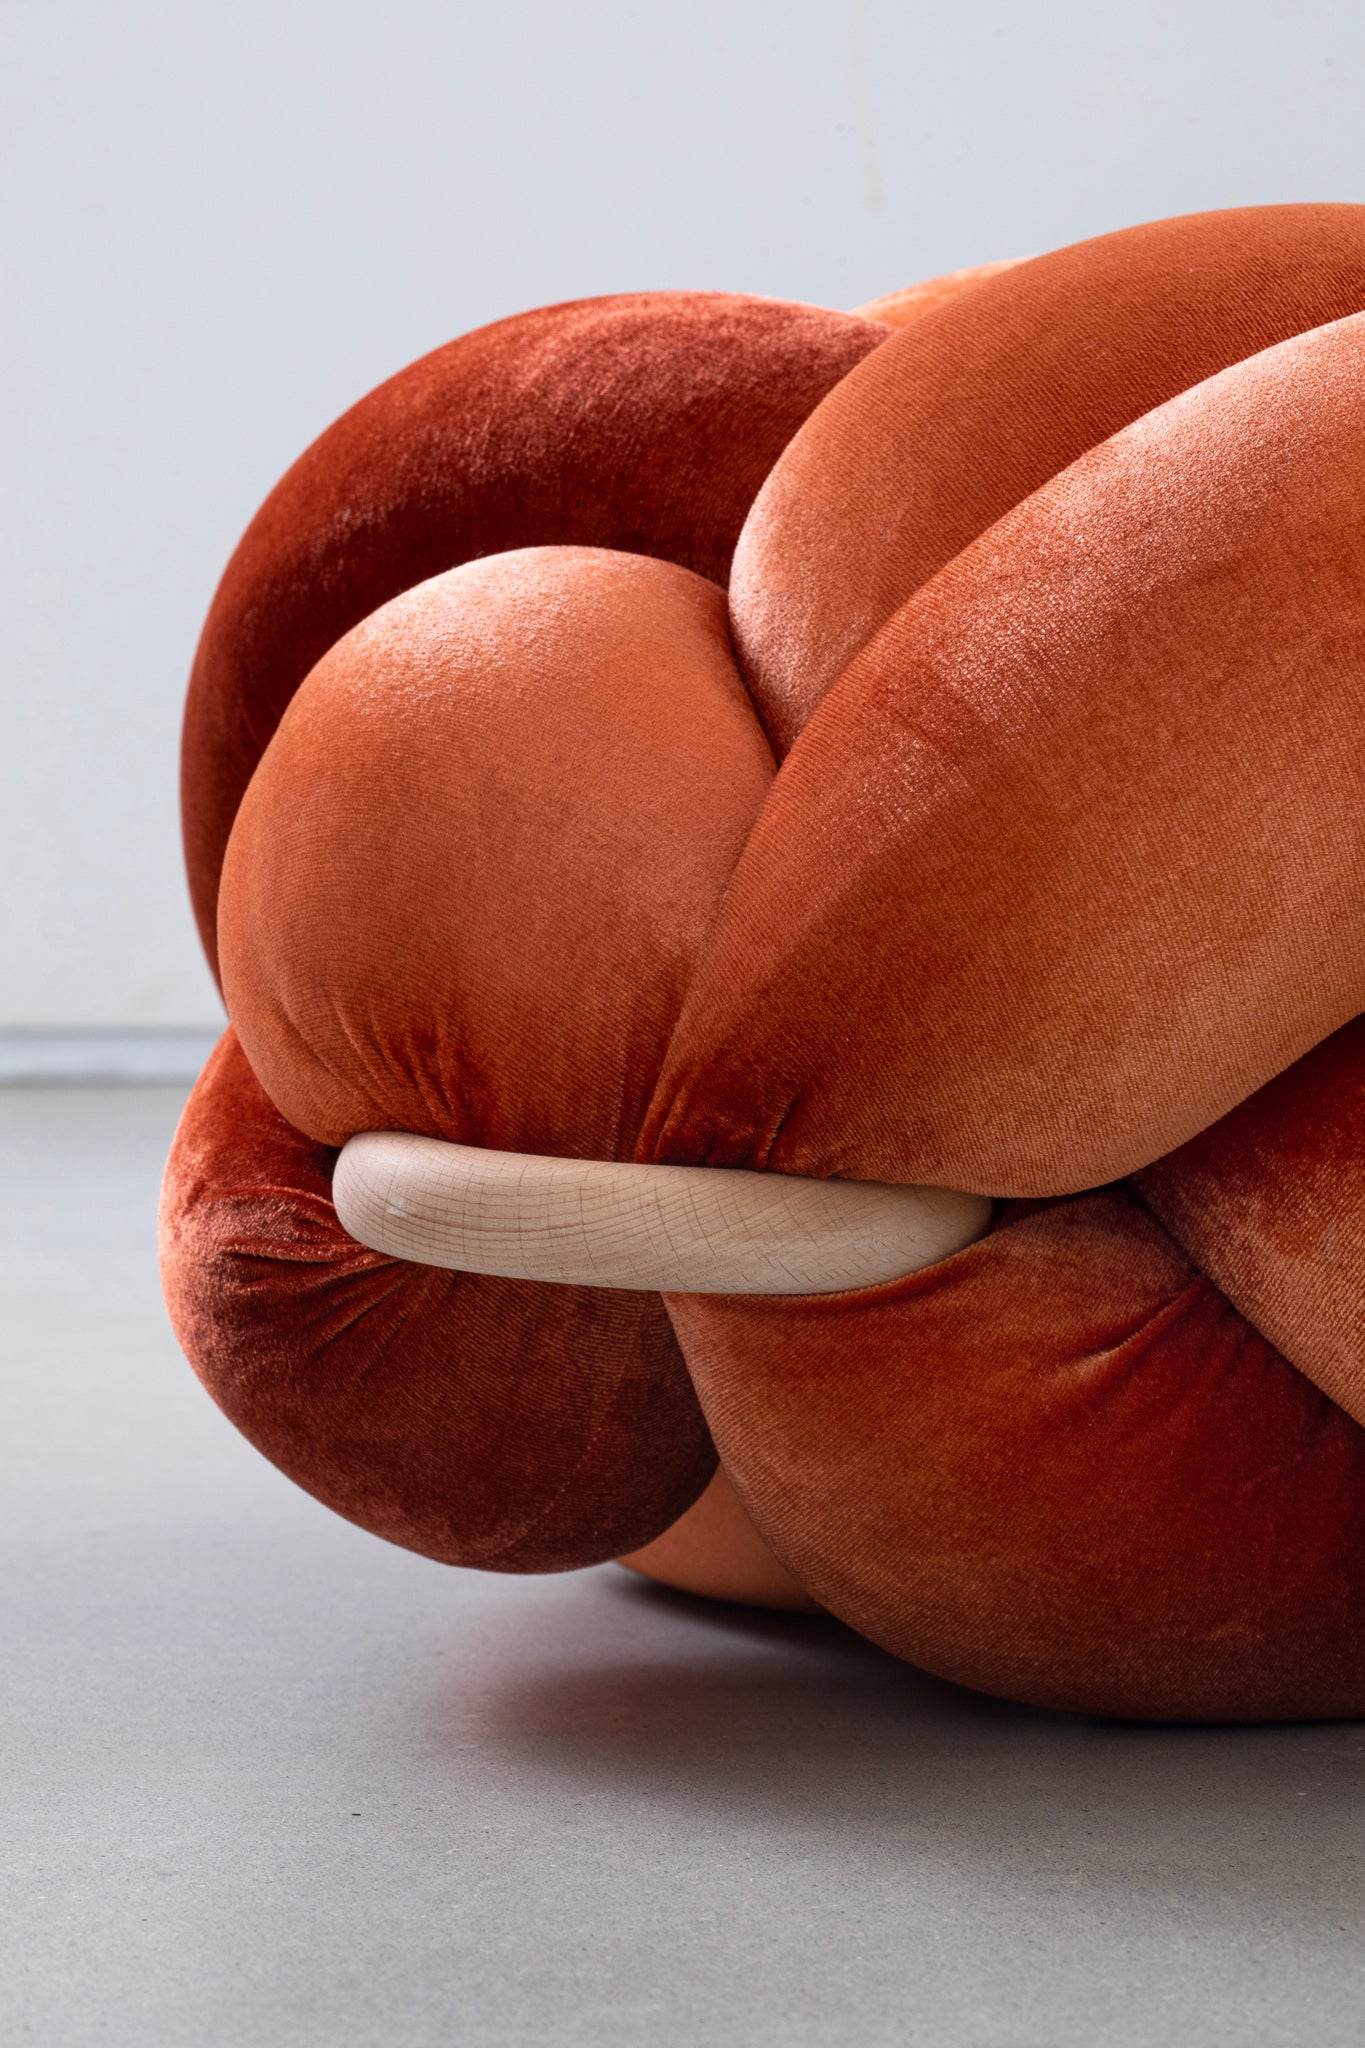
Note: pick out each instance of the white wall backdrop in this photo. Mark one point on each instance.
(229, 218)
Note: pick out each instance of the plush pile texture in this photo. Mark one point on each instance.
(924, 746)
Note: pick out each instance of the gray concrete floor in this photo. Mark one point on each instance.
(268, 1782)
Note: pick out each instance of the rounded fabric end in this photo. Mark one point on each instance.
(467, 888)
(479, 1421)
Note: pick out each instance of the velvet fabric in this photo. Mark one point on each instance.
(903, 308)
(1037, 734)
(998, 388)
(1058, 1466)
(469, 885)
(1002, 828)
(645, 422)
(480, 1421)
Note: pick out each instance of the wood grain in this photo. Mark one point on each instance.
(680, 1229)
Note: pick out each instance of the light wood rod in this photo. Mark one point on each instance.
(678, 1229)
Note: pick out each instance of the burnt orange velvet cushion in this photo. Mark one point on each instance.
(1003, 828)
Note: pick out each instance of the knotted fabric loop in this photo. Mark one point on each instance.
(719, 774)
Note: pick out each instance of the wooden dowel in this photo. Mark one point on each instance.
(680, 1229)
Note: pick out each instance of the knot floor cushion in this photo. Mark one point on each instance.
(922, 747)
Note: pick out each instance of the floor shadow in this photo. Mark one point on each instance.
(796, 1724)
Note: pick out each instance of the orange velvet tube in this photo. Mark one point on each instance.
(468, 885)
(1057, 1466)
(644, 422)
(482, 1422)
(1068, 862)
(1270, 1203)
(919, 450)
